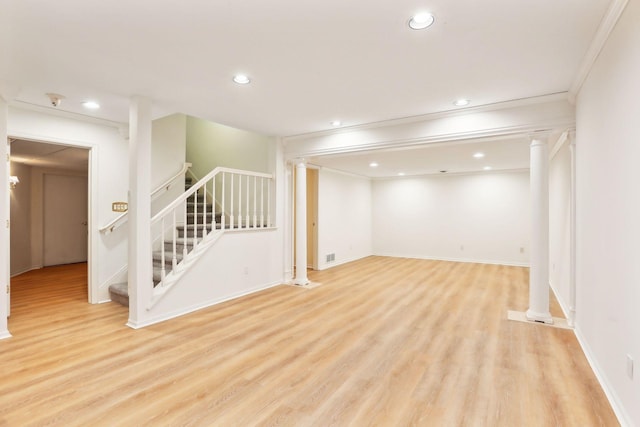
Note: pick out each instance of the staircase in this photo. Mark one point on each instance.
(119, 292)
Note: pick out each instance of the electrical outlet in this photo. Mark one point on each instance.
(521, 249)
(629, 366)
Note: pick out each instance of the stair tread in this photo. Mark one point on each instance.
(119, 288)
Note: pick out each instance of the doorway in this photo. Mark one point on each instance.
(48, 206)
(312, 218)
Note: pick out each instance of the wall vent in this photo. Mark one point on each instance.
(331, 257)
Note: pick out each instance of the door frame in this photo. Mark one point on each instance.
(92, 208)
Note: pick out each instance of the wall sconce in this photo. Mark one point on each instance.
(13, 180)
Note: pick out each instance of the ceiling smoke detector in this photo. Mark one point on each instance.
(56, 99)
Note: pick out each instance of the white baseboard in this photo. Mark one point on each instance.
(116, 277)
(609, 391)
(470, 260)
(563, 305)
(186, 310)
(4, 335)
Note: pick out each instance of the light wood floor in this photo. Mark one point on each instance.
(383, 341)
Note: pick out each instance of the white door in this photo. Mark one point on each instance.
(65, 219)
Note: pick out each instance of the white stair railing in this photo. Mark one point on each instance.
(222, 188)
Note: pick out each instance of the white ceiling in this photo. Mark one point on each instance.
(503, 154)
(49, 155)
(310, 61)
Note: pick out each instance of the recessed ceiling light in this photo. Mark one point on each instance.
(421, 21)
(336, 123)
(373, 164)
(461, 102)
(400, 173)
(241, 79)
(91, 105)
(478, 155)
(487, 168)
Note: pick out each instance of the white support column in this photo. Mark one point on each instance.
(572, 235)
(4, 221)
(301, 224)
(539, 271)
(140, 257)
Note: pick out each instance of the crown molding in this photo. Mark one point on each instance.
(554, 97)
(65, 114)
(607, 25)
(496, 132)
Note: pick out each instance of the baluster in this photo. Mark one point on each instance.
(213, 205)
(195, 219)
(261, 202)
(231, 205)
(269, 181)
(239, 201)
(204, 210)
(174, 260)
(223, 219)
(185, 228)
(255, 205)
(163, 271)
(246, 220)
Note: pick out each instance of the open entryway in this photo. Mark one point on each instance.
(48, 211)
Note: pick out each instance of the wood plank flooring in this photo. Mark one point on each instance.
(383, 341)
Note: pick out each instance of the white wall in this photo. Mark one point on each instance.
(560, 225)
(20, 220)
(238, 264)
(168, 153)
(210, 145)
(475, 218)
(608, 213)
(344, 217)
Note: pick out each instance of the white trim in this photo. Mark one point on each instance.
(562, 140)
(92, 219)
(51, 111)
(607, 25)
(4, 335)
(114, 278)
(181, 312)
(563, 306)
(450, 137)
(465, 260)
(609, 391)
